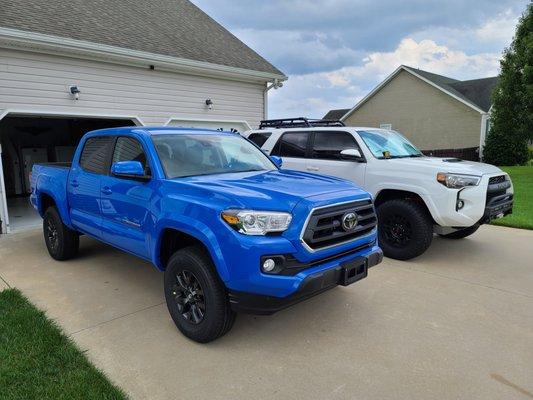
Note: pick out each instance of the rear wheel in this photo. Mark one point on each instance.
(405, 229)
(196, 298)
(61, 241)
(461, 233)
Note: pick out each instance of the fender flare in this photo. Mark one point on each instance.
(197, 230)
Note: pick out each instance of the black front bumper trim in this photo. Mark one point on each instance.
(314, 284)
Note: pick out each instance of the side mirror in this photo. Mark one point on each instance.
(277, 160)
(129, 170)
(352, 155)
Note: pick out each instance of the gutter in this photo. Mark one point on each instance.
(38, 42)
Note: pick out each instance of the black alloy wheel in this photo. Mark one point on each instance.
(189, 297)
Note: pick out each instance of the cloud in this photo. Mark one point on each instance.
(315, 93)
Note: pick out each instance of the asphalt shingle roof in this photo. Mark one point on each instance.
(477, 92)
(174, 28)
(336, 114)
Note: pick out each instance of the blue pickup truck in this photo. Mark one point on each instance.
(231, 230)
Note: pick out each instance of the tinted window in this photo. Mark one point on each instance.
(129, 149)
(94, 155)
(291, 144)
(259, 138)
(328, 145)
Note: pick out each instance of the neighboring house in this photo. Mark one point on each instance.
(133, 62)
(440, 115)
(336, 114)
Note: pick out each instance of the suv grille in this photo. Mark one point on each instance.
(496, 179)
(325, 225)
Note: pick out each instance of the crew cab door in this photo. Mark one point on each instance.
(83, 185)
(293, 148)
(126, 215)
(325, 158)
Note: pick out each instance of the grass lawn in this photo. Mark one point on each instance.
(522, 216)
(37, 361)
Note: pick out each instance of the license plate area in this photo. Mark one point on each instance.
(353, 271)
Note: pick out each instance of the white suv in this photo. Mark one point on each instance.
(415, 195)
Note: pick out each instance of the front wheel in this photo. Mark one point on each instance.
(461, 233)
(405, 229)
(196, 298)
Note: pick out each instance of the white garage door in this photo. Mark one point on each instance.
(239, 126)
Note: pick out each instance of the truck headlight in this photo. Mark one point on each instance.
(457, 181)
(250, 222)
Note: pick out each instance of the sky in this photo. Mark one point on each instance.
(335, 51)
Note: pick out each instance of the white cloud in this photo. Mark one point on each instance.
(314, 94)
(499, 29)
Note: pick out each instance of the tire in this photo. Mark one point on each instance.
(405, 229)
(461, 234)
(196, 297)
(62, 242)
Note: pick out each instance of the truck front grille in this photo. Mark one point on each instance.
(325, 226)
(496, 179)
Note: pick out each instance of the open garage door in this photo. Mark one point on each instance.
(226, 125)
(29, 139)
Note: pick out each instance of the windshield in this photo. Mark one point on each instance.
(388, 144)
(192, 155)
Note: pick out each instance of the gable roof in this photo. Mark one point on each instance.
(474, 93)
(336, 114)
(174, 28)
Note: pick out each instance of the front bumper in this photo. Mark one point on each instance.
(312, 285)
(498, 207)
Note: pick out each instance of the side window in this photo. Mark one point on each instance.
(328, 145)
(94, 156)
(291, 144)
(129, 149)
(259, 138)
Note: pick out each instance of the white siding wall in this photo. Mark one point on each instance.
(40, 82)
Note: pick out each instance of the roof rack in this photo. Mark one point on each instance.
(298, 123)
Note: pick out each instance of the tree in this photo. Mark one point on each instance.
(512, 100)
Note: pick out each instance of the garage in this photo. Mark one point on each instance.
(59, 81)
(29, 139)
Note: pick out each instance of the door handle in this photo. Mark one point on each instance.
(74, 183)
(313, 168)
(106, 190)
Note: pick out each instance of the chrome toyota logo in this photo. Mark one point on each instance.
(349, 221)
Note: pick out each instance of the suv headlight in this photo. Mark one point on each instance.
(250, 222)
(457, 181)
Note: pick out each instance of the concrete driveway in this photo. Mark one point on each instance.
(456, 323)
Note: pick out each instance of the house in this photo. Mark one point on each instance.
(70, 67)
(336, 114)
(440, 115)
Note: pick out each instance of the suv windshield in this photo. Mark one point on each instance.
(388, 144)
(191, 155)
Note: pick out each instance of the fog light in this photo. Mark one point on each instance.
(460, 204)
(269, 265)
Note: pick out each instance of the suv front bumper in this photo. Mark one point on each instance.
(312, 285)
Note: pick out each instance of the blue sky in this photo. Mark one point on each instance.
(336, 51)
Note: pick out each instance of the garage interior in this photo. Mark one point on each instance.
(26, 140)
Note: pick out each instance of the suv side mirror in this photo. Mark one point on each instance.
(352, 155)
(129, 170)
(277, 160)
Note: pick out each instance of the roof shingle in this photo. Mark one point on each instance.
(175, 28)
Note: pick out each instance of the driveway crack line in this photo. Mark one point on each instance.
(115, 318)
(469, 282)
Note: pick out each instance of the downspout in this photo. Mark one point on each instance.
(275, 85)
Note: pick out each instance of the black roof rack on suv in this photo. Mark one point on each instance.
(298, 123)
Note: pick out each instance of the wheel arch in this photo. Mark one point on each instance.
(172, 238)
(393, 194)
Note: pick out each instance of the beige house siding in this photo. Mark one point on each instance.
(39, 82)
(430, 118)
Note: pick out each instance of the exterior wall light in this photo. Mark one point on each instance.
(209, 104)
(75, 91)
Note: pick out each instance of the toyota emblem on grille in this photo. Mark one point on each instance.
(349, 221)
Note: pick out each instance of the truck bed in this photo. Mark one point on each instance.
(56, 164)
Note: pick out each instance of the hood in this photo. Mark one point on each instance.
(449, 164)
(273, 190)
